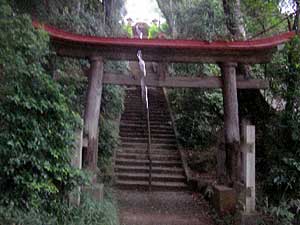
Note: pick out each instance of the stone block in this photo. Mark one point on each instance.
(224, 199)
(248, 219)
(76, 162)
(76, 159)
(95, 191)
(74, 196)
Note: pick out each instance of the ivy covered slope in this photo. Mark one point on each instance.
(40, 109)
(36, 122)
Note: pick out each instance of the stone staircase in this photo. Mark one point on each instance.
(131, 161)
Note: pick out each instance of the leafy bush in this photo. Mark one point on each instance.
(111, 109)
(283, 142)
(198, 116)
(128, 30)
(153, 31)
(36, 123)
(73, 82)
(89, 212)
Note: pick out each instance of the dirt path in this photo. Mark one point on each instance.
(161, 208)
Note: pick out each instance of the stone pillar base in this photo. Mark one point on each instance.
(74, 196)
(247, 218)
(224, 199)
(95, 191)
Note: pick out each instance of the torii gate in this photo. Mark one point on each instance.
(223, 53)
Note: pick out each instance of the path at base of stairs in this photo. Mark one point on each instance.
(161, 208)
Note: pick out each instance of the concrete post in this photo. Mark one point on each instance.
(76, 162)
(249, 167)
(248, 216)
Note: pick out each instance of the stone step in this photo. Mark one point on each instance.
(145, 140)
(145, 169)
(141, 111)
(156, 186)
(155, 125)
(139, 162)
(145, 151)
(131, 163)
(142, 128)
(144, 156)
(138, 99)
(133, 97)
(144, 122)
(145, 135)
(166, 177)
(145, 145)
(152, 105)
(139, 108)
(137, 113)
(143, 117)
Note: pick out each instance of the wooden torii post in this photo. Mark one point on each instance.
(92, 113)
(231, 119)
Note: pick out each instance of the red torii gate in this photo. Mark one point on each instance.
(227, 54)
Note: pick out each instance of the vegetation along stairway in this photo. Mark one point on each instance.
(132, 161)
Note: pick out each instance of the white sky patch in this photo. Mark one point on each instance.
(143, 11)
(287, 6)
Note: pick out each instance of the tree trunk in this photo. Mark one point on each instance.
(169, 9)
(234, 19)
(108, 8)
(297, 15)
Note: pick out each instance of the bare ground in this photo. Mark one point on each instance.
(162, 208)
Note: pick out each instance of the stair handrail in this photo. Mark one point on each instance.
(146, 109)
(144, 93)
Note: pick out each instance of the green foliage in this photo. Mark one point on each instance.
(194, 19)
(111, 109)
(286, 212)
(72, 81)
(283, 138)
(80, 16)
(261, 15)
(153, 31)
(36, 123)
(128, 30)
(164, 27)
(112, 105)
(199, 113)
(198, 116)
(89, 212)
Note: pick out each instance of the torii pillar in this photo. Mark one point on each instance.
(91, 115)
(225, 195)
(231, 120)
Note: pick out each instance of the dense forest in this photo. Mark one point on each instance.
(42, 98)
